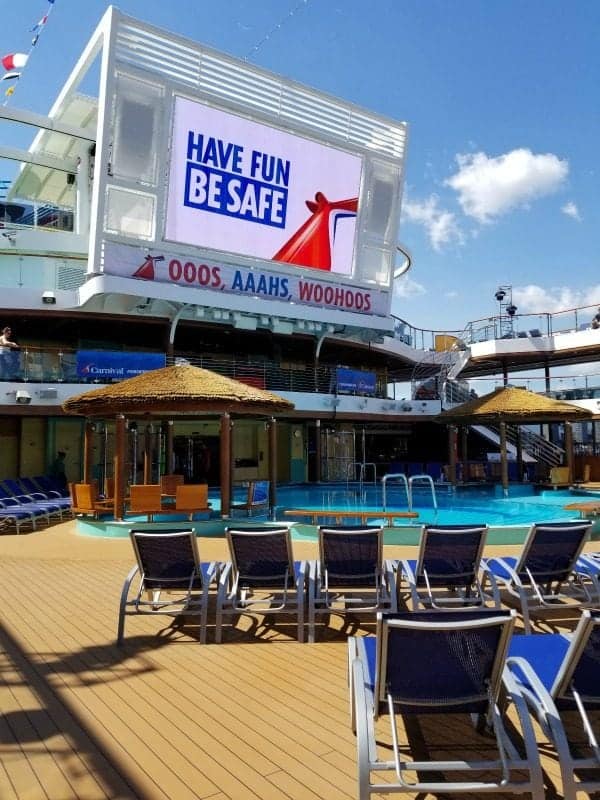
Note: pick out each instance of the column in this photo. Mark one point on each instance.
(452, 454)
(318, 450)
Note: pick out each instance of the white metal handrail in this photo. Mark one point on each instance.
(400, 476)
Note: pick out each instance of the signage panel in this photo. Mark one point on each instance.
(106, 365)
(301, 289)
(353, 381)
(241, 186)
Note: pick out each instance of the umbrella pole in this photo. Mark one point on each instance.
(503, 459)
(88, 452)
(272, 466)
(225, 453)
(119, 466)
(569, 449)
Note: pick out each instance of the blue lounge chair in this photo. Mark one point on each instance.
(449, 571)
(30, 488)
(13, 516)
(167, 561)
(49, 485)
(546, 573)
(559, 677)
(261, 577)
(423, 663)
(350, 574)
(23, 504)
(38, 499)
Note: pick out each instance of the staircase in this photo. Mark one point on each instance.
(533, 445)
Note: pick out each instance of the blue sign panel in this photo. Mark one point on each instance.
(108, 365)
(352, 381)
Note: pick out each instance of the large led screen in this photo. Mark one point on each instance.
(243, 187)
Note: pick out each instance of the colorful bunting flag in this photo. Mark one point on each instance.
(16, 61)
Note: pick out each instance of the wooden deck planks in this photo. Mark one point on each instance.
(259, 716)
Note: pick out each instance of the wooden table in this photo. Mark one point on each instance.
(590, 508)
(339, 515)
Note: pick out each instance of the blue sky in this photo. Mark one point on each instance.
(502, 101)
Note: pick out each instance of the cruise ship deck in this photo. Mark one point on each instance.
(259, 716)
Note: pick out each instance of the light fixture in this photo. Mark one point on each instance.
(500, 295)
(49, 298)
(22, 397)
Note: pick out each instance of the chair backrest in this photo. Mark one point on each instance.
(166, 559)
(351, 555)
(551, 550)
(109, 487)
(258, 493)
(560, 475)
(430, 662)
(451, 554)
(169, 483)
(144, 497)
(581, 664)
(191, 497)
(261, 556)
(13, 487)
(84, 495)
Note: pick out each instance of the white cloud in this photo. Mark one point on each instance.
(534, 299)
(489, 187)
(571, 210)
(441, 225)
(451, 294)
(406, 287)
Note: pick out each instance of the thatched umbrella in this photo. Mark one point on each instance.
(180, 391)
(513, 405)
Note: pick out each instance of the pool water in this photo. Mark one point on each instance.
(508, 518)
(459, 506)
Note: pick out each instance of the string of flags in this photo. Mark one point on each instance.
(14, 63)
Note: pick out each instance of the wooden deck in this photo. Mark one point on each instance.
(257, 717)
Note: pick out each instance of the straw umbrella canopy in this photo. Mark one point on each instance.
(512, 405)
(180, 391)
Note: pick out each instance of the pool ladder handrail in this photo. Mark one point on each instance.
(403, 479)
(428, 479)
(362, 470)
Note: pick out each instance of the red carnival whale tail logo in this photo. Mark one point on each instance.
(146, 271)
(312, 243)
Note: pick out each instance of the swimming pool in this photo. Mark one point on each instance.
(508, 518)
(455, 506)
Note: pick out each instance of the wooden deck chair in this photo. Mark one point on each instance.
(558, 676)
(423, 663)
(449, 571)
(192, 498)
(261, 577)
(85, 500)
(350, 574)
(145, 498)
(560, 477)
(173, 580)
(169, 483)
(547, 572)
